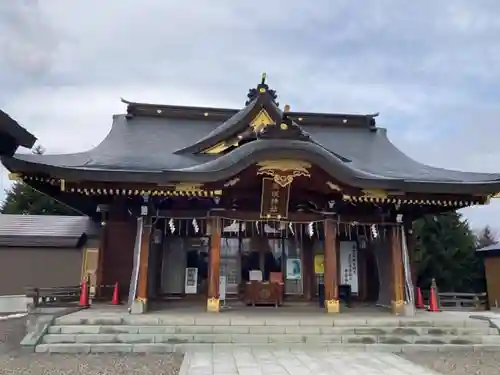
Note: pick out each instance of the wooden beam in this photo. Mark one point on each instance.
(245, 215)
(397, 298)
(330, 280)
(213, 302)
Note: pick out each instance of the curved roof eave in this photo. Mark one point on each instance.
(224, 167)
(11, 127)
(231, 164)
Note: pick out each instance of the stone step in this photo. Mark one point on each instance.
(167, 348)
(264, 338)
(151, 320)
(293, 330)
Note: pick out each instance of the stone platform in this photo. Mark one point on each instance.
(114, 330)
(298, 362)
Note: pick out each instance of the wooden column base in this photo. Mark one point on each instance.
(332, 306)
(397, 307)
(213, 305)
(139, 306)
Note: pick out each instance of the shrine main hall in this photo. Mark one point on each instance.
(261, 205)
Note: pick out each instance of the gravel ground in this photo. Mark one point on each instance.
(459, 362)
(12, 361)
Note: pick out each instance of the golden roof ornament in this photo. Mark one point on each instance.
(262, 86)
(261, 89)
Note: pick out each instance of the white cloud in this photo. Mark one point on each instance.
(431, 68)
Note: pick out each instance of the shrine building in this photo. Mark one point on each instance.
(259, 205)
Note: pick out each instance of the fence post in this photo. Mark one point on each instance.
(31, 309)
(477, 302)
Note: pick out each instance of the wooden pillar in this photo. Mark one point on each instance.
(330, 277)
(214, 265)
(362, 276)
(397, 298)
(142, 279)
(411, 243)
(103, 230)
(100, 260)
(307, 269)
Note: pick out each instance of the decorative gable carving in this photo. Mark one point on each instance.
(262, 89)
(262, 120)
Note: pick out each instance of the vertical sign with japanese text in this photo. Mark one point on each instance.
(274, 199)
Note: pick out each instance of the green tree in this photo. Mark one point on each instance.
(23, 199)
(445, 250)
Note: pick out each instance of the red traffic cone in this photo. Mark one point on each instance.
(84, 295)
(419, 303)
(116, 295)
(433, 305)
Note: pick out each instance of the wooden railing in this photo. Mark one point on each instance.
(463, 301)
(65, 296)
(53, 297)
(451, 301)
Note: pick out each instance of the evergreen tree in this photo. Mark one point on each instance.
(446, 251)
(23, 199)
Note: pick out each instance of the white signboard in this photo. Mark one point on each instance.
(349, 265)
(222, 288)
(191, 280)
(255, 275)
(293, 269)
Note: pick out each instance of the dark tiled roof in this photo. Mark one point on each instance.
(45, 230)
(494, 247)
(147, 147)
(10, 129)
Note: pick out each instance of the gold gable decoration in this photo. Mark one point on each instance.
(333, 186)
(257, 124)
(220, 147)
(261, 121)
(284, 171)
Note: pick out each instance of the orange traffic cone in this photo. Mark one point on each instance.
(84, 294)
(419, 303)
(116, 295)
(433, 305)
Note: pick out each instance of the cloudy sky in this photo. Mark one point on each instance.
(431, 68)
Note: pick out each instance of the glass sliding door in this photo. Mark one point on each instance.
(180, 253)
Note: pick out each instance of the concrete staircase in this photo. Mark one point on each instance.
(160, 334)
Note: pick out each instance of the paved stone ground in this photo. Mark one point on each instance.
(13, 362)
(458, 363)
(260, 362)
